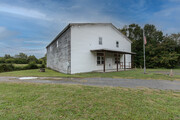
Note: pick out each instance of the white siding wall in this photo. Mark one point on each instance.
(86, 37)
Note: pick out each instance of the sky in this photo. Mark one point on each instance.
(28, 26)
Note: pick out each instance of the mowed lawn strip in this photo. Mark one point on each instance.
(50, 101)
(131, 74)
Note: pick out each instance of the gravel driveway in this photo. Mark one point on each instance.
(129, 83)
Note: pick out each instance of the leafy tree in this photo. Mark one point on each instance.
(161, 51)
(32, 65)
(44, 59)
(21, 61)
(135, 34)
(2, 60)
(175, 37)
(10, 60)
(21, 55)
(32, 58)
(7, 56)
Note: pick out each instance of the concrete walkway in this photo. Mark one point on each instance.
(129, 83)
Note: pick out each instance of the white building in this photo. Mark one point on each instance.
(86, 47)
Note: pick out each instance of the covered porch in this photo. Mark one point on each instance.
(113, 60)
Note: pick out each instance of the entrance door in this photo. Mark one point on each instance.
(109, 63)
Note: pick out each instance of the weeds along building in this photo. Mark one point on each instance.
(86, 47)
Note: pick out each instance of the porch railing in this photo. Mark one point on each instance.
(127, 65)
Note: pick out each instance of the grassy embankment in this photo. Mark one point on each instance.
(50, 101)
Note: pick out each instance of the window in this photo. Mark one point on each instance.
(100, 40)
(100, 58)
(117, 44)
(117, 59)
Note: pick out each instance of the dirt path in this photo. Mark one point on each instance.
(129, 83)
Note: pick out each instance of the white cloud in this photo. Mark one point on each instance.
(5, 33)
(52, 18)
(36, 42)
(166, 12)
(23, 12)
(167, 19)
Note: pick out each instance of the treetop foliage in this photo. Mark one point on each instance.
(22, 58)
(162, 51)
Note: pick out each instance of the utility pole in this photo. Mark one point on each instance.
(144, 42)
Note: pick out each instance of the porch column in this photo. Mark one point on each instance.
(117, 60)
(124, 62)
(104, 62)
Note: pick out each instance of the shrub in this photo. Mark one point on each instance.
(40, 61)
(1, 68)
(2, 60)
(6, 67)
(43, 66)
(20, 61)
(10, 60)
(10, 67)
(32, 65)
(20, 67)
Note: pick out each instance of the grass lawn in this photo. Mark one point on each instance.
(20, 65)
(132, 74)
(50, 101)
(23, 65)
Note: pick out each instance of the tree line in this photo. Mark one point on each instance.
(22, 58)
(7, 63)
(162, 51)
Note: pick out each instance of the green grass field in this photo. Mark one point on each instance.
(49, 101)
(23, 65)
(20, 65)
(132, 74)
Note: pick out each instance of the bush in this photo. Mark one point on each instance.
(2, 60)
(40, 61)
(43, 65)
(6, 67)
(1, 69)
(20, 61)
(10, 67)
(21, 67)
(10, 60)
(32, 65)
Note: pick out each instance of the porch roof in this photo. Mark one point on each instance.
(113, 51)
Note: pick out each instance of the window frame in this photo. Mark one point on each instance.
(100, 59)
(117, 44)
(115, 58)
(100, 41)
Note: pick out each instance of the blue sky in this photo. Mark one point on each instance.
(29, 25)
